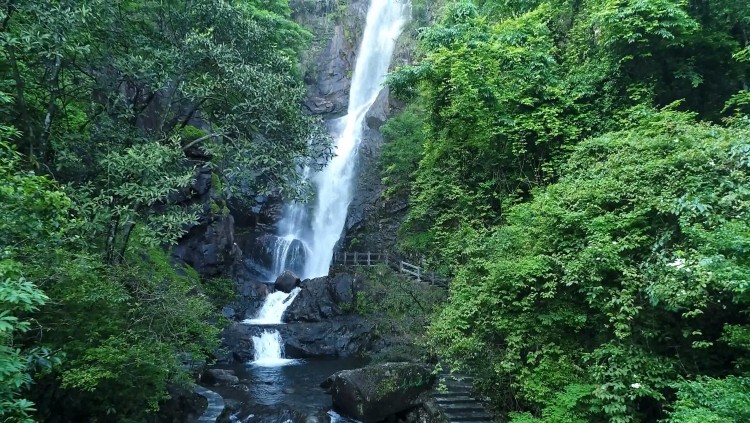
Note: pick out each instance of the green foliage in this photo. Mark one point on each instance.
(598, 246)
(708, 400)
(490, 124)
(400, 308)
(630, 271)
(404, 137)
(510, 87)
(120, 358)
(119, 102)
(17, 296)
(33, 217)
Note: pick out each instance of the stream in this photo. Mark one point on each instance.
(273, 387)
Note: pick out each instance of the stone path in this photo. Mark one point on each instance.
(457, 402)
(215, 405)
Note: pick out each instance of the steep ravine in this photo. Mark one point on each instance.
(324, 326)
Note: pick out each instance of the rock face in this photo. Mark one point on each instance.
(219, 377)
(208, 246)
(323, 298)
(321, 322)
(345, 336)
(374, 393)
(286, 282)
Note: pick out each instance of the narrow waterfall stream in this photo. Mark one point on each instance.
(317, 231)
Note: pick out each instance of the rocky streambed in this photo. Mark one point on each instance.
(326, 342)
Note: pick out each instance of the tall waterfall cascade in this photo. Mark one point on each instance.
(307, 238)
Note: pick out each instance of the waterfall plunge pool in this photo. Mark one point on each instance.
(281, 393)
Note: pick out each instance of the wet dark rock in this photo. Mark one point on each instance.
(323, 298)
(427, 412)
(182, 406)
(376, 392)
(344, 337)
(237, 339)
(209, 248)
(378, 112)
(219, 377)
(228, 312)
(286, 282)
(329, 91)
(250, 292)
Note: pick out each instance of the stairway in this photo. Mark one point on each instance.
(457, 402)
(215, 405)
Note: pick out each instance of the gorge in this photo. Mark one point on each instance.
(307, 234)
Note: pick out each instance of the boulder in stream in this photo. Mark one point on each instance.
(219, 377)
(323, 298)
(374, 393)
(286, 282)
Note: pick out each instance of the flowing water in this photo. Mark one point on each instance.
(269, 350)
(273, 308)
(320, 229)
(308, 236)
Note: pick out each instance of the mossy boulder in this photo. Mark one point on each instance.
(374, 393)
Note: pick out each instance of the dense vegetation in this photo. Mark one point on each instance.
(583, 174)
(108, 109)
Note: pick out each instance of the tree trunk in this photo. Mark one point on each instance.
(54, 88)
(21, 102)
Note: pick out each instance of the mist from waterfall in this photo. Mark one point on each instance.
(316, 232)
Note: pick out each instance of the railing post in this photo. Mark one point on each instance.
(401, 266)
(355, 258)
(368, 258)
(419, 274)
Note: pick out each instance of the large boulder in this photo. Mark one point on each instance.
(323, 298)
(219, 377)
(286, 282)
(342, 337)
(374, 393)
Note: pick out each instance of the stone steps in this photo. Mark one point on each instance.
(215, 405)
(455, 398)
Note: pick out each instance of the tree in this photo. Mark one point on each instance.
(628, 274)
(34, 212)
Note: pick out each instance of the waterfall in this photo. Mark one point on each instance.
(273, 308)
(269, 350)
(320, 230)
(306, 239)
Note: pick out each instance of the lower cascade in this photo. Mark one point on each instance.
(269, 350)
(273, 308)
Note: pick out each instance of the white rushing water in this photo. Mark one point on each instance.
(306, 240)
(269, 350)
(273, 308)
(320, 230)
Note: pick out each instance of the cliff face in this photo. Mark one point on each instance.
(241, 244)
(329, 63)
